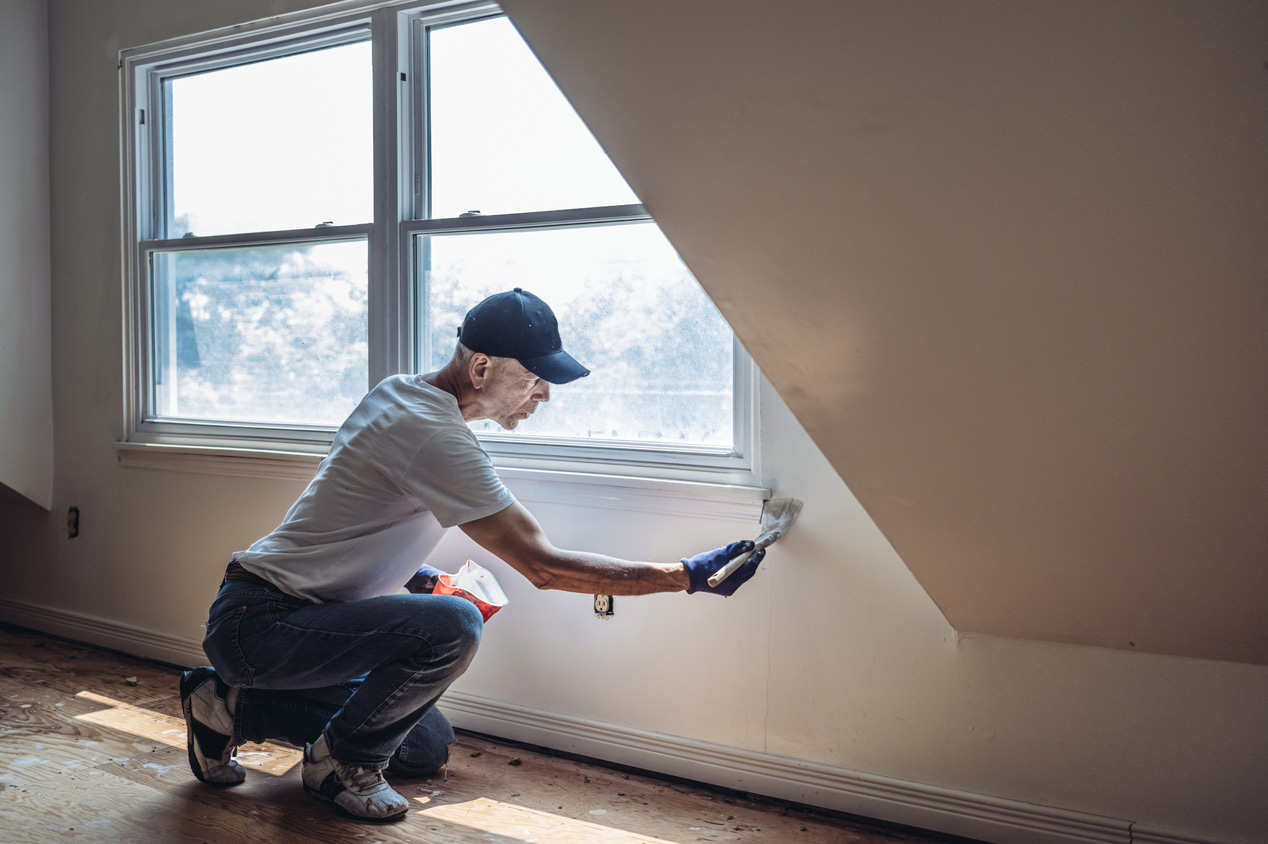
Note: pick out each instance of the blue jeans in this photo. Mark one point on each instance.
(367, 672)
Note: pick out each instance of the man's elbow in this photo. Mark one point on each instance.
(540, 576)
(540, 563)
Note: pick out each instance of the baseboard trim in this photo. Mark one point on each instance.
(883, 798)
(94, 630)
(1150, 834)
(887, 799)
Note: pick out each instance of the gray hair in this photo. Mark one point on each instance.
(462, 356)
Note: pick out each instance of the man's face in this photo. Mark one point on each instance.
(512, 393)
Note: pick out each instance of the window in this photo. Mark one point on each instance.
(274, 277)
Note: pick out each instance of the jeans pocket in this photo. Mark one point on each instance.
(260, 635)
(223, 648)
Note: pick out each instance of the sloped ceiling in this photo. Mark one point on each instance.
(1006, 262)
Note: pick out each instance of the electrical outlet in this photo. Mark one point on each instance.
(603, 606)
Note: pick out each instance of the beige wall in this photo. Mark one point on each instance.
(1006, 261)
(836, 654)
(26, 414)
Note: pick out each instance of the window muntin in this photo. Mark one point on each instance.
(409, 46)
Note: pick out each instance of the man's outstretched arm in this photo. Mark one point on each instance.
(515, 536)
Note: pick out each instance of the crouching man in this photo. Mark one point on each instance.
(312, 641)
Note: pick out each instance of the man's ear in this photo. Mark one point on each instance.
(480, 369)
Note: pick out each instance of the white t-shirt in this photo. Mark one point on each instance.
(403, 468)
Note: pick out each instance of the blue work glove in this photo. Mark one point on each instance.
(424, 580)
(701, 566)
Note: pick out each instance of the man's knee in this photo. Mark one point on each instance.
(467, 625)
(454, 629)
(416, 766)
(426, 748)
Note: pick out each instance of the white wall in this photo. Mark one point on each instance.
(833, 655)
(26, 414)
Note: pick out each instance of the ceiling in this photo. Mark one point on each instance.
(1006, 262)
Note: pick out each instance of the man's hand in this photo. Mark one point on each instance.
(424, 580)
(701, 566)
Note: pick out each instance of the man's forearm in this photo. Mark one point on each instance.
(579, 571)
(514, 535)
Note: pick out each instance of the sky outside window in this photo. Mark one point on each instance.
(503, 138)
(287, 143)
(273, 145)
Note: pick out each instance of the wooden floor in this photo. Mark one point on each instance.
(92, 749)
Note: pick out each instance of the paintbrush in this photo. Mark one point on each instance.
(778, 514)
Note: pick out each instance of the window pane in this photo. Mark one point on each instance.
(659, 352)
(273, 334)
(503, 139)
(278, 144)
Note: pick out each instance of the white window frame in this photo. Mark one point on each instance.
(397, 32)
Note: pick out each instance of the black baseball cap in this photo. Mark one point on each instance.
(517, 324)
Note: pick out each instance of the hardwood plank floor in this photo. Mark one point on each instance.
(92, 749)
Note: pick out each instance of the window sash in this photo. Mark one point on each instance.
(398, 33)
(168, 429)
(493, 223)
(152, 154)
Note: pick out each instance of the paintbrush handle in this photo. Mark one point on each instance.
(729, 569)
(763, 541)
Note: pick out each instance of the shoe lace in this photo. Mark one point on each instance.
(361, 779)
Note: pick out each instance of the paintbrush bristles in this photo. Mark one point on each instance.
(777, 510)
(778, 514)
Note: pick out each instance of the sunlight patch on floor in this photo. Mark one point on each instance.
(523, 824)
(272, 759)
(134, 720)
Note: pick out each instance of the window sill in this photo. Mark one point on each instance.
(579, 489)
(216, 460)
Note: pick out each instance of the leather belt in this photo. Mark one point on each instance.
(235, 573)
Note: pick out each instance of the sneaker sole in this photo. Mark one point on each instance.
(187, 687)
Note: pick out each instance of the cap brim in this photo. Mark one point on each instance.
(559, 368)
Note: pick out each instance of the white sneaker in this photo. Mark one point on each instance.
(209, 728)
(360, 792)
